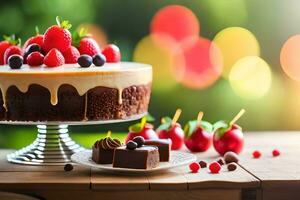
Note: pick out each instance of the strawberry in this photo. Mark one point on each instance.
(71, 55)
(85, 44)
(37, 39)
(112, 53)
(8, 41)
(12, 50)
(54, 58)
(58, 36)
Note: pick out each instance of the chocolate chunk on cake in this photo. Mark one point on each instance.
(164, 148)
(103, 150)
(145, 157)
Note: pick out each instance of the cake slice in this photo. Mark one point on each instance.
(103, 150)
(145, 157)
(164, 148)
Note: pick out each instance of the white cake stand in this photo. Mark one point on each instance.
(53, 145)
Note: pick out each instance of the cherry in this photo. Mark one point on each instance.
(171, 129)
(228, 136)
(256, 154)
(214, 167)
(112, 53)
(194, 167)
(276, 152)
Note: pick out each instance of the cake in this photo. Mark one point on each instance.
(103, 150)
(145, 157)
(72, 93)
(164, 148)
(64, 76)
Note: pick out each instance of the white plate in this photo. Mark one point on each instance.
(177, 158)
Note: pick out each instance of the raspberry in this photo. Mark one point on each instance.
(88, 46)
(112, 53)
(38, 39)
(256, 154)
(276, 152)
(194, 167)
(54, 58)
(214, 167)
(12, 50)
(35, 59)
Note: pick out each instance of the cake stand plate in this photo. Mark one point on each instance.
(177, 159)
(53, 145)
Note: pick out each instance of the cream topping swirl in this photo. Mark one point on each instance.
(107, 143)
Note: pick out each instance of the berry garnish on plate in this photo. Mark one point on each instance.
(232, 166)
(12, 50)
(99, 60)
(85, 43)
(35, 59)
(112, 53)
(194, 167)
(71, 55)
(58, 36)
(85, 61)
(139, 140)
(202, 164)
(169, 128)
(54, 58)
(15, 61)
(131, 145)
(214, 167)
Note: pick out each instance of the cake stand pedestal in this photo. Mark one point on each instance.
(53, 145)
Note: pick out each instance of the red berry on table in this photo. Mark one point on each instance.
(88, 46)
(58, 36)
(214, 167)
(54, 58)
(142, 129)
(256, 154)
(202, 164)
(112, 53)
(228, 136)
(275, 152)
(194, 167)
(170, 129)
(35, 59)
(71, 55)
(198, 134)
(12, 50)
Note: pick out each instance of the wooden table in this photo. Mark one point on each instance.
(264, 178)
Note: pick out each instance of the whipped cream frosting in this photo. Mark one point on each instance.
(112, 75)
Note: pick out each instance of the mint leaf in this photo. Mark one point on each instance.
(221, 127)
(208, 127)
(166, 124)
(191, 126)
(149, 118)
(135, 128)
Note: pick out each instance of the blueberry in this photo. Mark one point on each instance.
(85, 60)
(32, 48)
(99, 59)
(139, 140)
(68, 167)
(15, 61)
(131, 145)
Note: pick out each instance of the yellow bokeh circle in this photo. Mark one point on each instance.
(234, 44)
(250, 77)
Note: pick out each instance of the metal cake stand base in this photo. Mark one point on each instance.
(53, 145)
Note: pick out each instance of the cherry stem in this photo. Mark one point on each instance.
(108, 134)
(200, 116)
(176, 116)
(143, 122)
(237, 117)
(57, 21)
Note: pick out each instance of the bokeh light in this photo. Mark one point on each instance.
(98, 34)
(236, 43)
(250, 77)
(289, 57)
(202, 63)
(159, 51)
(176, 21)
